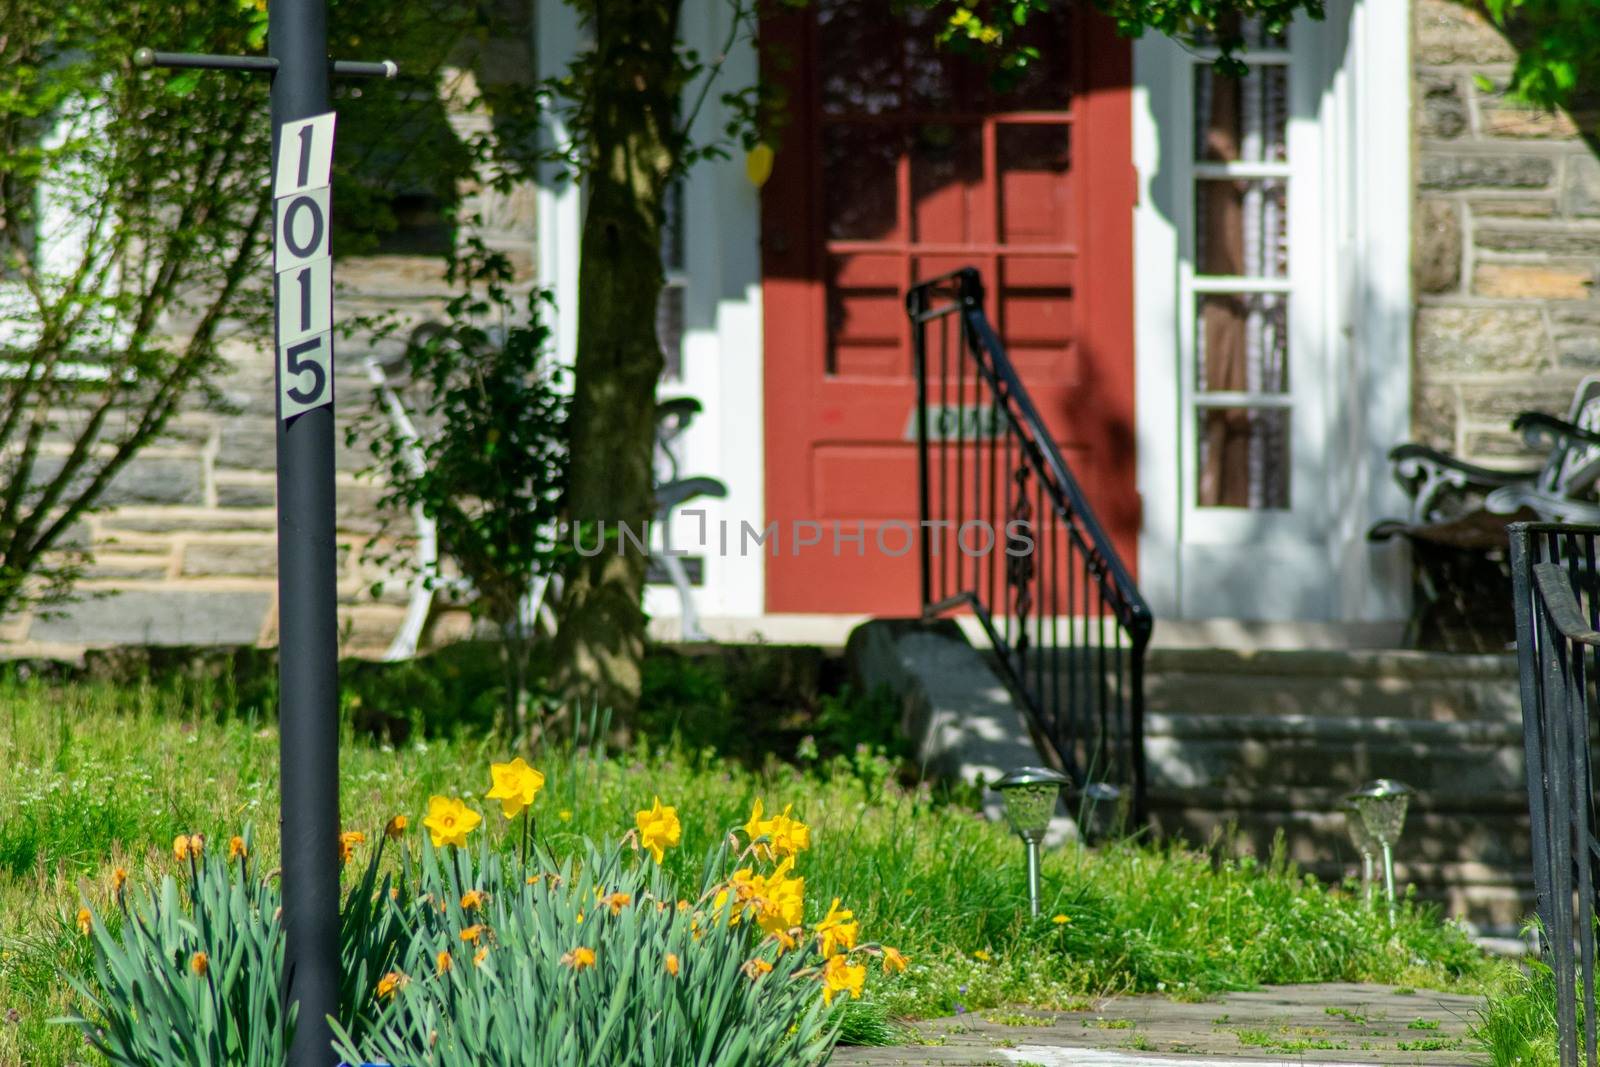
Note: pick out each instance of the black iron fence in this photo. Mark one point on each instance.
(1010, 537)
(1557, 596)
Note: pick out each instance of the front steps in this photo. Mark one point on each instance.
(1264, 742)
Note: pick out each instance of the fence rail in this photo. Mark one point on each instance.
(1557, 597)
(1009, 536)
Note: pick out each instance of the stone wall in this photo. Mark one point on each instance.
(1506, 246)
(185, 547)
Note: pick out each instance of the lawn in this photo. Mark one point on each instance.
(95, 776)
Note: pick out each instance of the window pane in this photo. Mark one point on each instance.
(860, 56)
(946, 176)
(1250, 31)
(1241, 119)
(859, 181)
(1035, 162)
(669, 330)
(1244, 458)
(1241, 343)
(1242, 227)
(672, 255)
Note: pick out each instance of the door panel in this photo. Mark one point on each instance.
(901, 162)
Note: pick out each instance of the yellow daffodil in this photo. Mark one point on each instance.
(579, 958)
(395, 828)
(390, 983)
(472, 933)
(672, 964)
(237, 850)
(756, 968)
(85, 921)
(441, 962)
(199, 962)
(473, 898)
(659, 829)
(838, 929)
(841, 976)
(187, 846)
(515, 786)
(778, 836)
(348, 842)
(449, 821)
(892, 960)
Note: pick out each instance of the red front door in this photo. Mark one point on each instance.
(900, 163)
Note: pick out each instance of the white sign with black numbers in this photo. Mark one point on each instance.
(303, 263)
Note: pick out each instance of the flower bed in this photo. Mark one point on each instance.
(461, 952)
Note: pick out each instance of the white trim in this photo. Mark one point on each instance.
(722, 341)
(1349, 203)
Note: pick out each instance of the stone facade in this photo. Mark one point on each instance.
(1506, 249)
(185, 547)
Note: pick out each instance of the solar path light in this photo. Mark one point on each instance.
(1382, 804)
(1030, 795)
(1363, 842)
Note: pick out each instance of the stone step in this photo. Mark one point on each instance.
(1334, 684)
(1471, 859)
(1248, 752)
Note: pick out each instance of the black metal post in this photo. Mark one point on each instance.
(308, 639)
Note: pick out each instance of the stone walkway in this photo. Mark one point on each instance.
(1309, 1024)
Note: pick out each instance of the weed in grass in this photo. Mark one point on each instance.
(1347, 1014)
(1016, 1018)
(1404, 991)
(1517, 1024)
(1423, 1024)
(1288, 1039)
(1138, 1042)
(1110, 1024)
(1429, 1044)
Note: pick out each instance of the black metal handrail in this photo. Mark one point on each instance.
(1557, 597)
(1068, 624)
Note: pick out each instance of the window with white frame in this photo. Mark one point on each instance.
(1243, 406)
(670, 306)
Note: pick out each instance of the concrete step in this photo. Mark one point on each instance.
(1336, 684)
(1256, 752)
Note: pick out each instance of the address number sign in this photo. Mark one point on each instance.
(303, 265)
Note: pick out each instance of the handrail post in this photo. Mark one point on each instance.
(916, 307)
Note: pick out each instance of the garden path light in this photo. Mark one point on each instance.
(1030, 795)
(1382, 804)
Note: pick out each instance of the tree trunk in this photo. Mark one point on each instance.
(632, 90)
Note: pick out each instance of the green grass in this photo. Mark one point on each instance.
(93, 777)
(1517, 1025)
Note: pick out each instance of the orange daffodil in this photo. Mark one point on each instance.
(659, 829)
(449, 821)
(515, 786)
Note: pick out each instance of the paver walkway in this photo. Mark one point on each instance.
(1308, 1024)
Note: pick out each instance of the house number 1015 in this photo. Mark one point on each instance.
(303, 265)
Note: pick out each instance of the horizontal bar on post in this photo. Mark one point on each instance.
(146, 57)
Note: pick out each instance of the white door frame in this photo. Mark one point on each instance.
(1349, 203)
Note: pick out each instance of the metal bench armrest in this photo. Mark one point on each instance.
(1430, 477)
(1548, 432)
